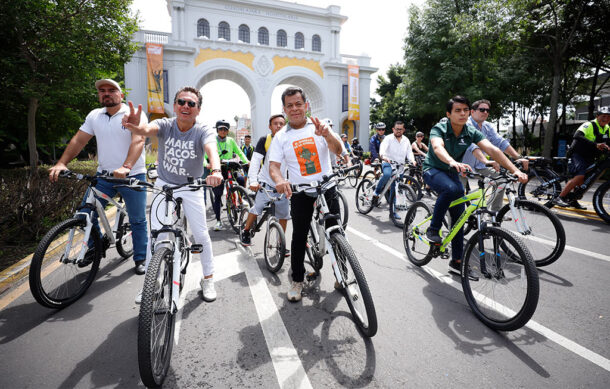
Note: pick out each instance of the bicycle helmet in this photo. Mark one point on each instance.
(354, 140)
(603, 111)
(380, 126)
(222, 123)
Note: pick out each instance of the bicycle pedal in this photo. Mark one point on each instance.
(445, 255)
(311, 276)
(196, 248)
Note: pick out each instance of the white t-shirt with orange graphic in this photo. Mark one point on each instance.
(306, 154)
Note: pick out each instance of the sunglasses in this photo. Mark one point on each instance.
(483, 109)
(191, 104)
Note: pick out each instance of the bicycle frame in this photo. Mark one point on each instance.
(267, 216)
(397, 172)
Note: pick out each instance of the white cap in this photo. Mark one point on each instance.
(107, 81)
(328, 122)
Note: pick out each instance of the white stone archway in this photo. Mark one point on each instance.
(195, 55)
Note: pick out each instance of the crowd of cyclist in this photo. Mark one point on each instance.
(298, 150)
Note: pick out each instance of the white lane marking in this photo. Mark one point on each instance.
(533, 325)
(570, 248)
(288, 367)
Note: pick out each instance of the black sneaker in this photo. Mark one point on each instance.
(455, 267)
(375, 200)
(245, 238)
(286, 253)
(433, 237)
(88, 259)
(575, 204)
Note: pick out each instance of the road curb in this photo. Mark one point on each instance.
(20, 270)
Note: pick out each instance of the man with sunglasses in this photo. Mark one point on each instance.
(227, 148)
(375, 141)
(118, 151)
(183, 142)
(477, 159)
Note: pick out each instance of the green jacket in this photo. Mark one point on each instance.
(456, 147)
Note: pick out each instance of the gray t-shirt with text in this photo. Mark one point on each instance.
(181, 153)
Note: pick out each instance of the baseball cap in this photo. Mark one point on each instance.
(107, 81)
(222, 123)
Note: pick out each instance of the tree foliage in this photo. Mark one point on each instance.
(51, 53)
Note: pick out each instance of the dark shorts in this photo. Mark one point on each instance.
(578, 165)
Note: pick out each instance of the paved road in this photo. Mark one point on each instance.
(252, 337)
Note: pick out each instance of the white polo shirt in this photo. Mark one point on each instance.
(113, 140)
(306, 154)
(396, 151)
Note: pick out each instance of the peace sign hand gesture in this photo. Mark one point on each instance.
(132, 120)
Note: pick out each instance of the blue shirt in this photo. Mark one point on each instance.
(492, 136)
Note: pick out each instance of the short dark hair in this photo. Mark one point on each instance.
(192, 90)
(291, 91)
(398, 123)
(476, 104)
(279, 115)
(247, 136)
(457, 99)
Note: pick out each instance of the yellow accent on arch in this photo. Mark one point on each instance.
(208, 54)
(284, 62)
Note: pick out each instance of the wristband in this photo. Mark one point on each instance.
(127, 166)
(215, 171)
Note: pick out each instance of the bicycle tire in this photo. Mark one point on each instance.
(502, 277)
(156, 314)
(364, 196)
(370, 175)
(355, 288)
(237, 199)
(343, 209)
(354, 175)
(400, 201)
(124, 237)
(61, 286)
(275, 247)
(543, 225)
(601, 201)
(415, 186)
(538, 189)
(312, 249)
(417, 248)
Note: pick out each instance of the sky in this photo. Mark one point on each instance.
(366, 23)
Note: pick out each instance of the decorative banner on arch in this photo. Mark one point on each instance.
(353, 107)
(154, 68)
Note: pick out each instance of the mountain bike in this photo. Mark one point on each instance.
(539, 228)
(274, 249)
(546, 185)
(344, 263)
(399, 199)
(63, 266)
(164, 281)
(236, 196)
(354, 175)
(499, 277)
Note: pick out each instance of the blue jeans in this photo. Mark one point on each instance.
(386, 168)
(135, 201)
(449, 188)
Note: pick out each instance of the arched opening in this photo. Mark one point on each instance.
(314, 95)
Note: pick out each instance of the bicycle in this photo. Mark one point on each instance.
(344, 173)
(532, 221)
(346, 268)
(547, 184)
(236, 196)
(496, 265)
(399, 199)
(163, 282)
(60, 271)
(354, 175)
(274, 249)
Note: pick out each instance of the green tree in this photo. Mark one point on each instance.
(52, 53)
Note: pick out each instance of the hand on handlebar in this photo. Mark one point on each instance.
(121, 172)
(461, 168)
(214, 179)
(284, 187)
(56, 170)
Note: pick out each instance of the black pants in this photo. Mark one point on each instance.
(219, 190)
(301, 210)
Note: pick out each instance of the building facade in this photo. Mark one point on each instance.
(258, 44)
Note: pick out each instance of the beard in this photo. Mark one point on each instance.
(109, 102)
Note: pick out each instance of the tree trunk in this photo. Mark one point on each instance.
(32, 108)
(514, 124)
(591, 110)
(549, 136)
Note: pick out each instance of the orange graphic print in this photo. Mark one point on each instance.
(307, 156)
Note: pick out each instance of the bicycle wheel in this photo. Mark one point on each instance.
(416, 222)
(56, 281)
(343, 209)
(503, 293)
(415, 186)
(275, 247)
(354, 175)
(601, 201)
(237, 199)
(400, 200)
(544, 236)
(355, 287)
(364, 196)
(156, 320)
(312, 249)
(538, 187)
(124, 238)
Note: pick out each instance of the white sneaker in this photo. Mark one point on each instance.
(139, 297)
(294, 294)
(207, 289)
(218, 226)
